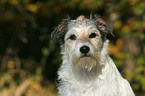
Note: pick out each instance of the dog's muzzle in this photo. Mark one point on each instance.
(84, 50)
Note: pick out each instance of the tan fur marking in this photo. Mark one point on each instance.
(84, 35)
(81, 18)
(101, 21)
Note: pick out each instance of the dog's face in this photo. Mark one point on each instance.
(82, 41)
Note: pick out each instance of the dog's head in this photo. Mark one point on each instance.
(82, 39)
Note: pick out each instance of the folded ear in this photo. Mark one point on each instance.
(103, 26)
(60, 31)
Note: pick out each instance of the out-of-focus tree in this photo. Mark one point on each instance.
(29, 61)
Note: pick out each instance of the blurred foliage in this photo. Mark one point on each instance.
(29, 61)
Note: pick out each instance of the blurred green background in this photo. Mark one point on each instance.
(29, 61)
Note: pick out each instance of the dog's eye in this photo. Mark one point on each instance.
(72, 37)
(92, 35)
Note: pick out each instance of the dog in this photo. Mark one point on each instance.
(87, 69)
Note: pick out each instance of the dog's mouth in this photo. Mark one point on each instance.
(85, 55)
(85, 61)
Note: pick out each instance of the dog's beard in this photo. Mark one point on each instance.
(86, 63)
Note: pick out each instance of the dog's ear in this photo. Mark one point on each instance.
(103, 26)
(60, 31)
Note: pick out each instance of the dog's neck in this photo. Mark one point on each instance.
(82, 76)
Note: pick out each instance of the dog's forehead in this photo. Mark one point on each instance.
(81, 24)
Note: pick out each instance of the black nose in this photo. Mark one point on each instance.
(84, 49)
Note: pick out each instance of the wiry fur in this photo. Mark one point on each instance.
(94, 74)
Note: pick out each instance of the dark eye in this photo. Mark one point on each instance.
(72, 37)
(92, 35)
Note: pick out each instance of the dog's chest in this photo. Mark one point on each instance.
(87, 85)
(91, 89)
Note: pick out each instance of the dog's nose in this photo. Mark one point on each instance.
(84, 49)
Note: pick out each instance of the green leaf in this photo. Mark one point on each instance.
(45, 51)
(138, 10)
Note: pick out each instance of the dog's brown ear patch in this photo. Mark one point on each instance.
(60, 31)
(103, 26)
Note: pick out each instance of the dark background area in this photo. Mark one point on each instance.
(29, 60)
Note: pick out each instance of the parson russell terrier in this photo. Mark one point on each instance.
(87, 69)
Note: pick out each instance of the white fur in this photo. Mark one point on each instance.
(96, 75)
